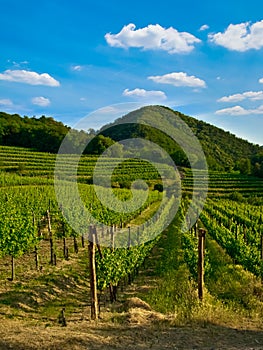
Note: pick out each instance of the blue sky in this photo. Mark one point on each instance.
(66, 58)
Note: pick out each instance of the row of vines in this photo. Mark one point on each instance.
(238, 228)
(31, 214)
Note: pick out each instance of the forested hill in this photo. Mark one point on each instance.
(223, 150)
(41, 134)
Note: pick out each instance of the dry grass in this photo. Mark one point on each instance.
(29, 310)
(29, 335)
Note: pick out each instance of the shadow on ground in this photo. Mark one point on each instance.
(108, 336)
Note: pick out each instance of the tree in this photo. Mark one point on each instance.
(99, 144)
(244, 166)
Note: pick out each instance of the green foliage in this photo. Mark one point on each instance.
(98, 145)
(237, 228)
(17, 229)
(43, 134)
(257, 164)
(244, 166)
(222, 149)
(119, 263)
(236, 196)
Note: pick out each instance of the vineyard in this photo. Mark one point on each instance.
(110, 249)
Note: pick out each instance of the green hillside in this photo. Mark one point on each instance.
(223, 150)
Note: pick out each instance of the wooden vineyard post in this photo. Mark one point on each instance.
(201, 246)
(82, 241)
(65, 250)
(36, 250)
(93, 281)
(75, 244)
(36, 258)
(95, 236)
(129, 237)
(12, 268)
(129, 247)
(50, 239)
(112, 238)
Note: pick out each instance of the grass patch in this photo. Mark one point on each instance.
(231, 293)
(146, 214)
(230, 283)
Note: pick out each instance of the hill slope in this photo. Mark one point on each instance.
(223, 150)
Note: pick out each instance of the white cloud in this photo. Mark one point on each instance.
(260, 80)
(6, 102)
(179, 79)
(77, 68)
(153, 37)
(232, 98)
(27, 77)
(240, 37)
(204, 27)
(251, 95)
(238, 110)
(41, 101)
(144, 93)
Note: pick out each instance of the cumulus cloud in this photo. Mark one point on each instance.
(153, 37)
(144, 93)
(6, 102)
(41, 101)
(260, 80)
(238, 110)
(240, 37)
(28, 77)
(251, 95)
(204, 27)
(179, 79)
